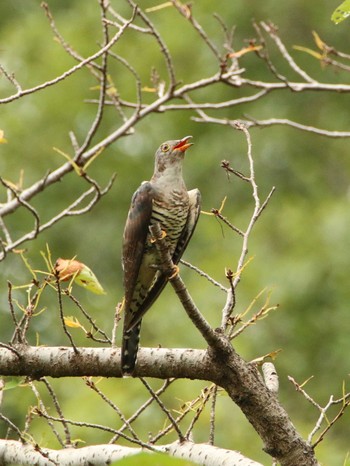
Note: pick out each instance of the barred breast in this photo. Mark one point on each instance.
(171, 214)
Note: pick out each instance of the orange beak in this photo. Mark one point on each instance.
(182, 145)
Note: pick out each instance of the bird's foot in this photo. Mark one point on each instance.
(164, 234)
(174, 272)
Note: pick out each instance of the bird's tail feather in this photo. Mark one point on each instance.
(130, 346)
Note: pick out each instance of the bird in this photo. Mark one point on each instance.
(163, 200)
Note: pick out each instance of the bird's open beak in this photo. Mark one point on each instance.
(183, 144)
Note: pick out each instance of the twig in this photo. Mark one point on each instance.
(63, 42)
(345, 403)
(5, 230)
(11, 348)
(271, 30)
(103, 87)
(213, 415)
(164, 409)
(17, 335)
(187, 14)
(91, 425)
(71, 210)
(116, 100)
(44, 411)
(142, 408)
(26, 205)
(169, 427)
(72, 70)
(89, 318)
(286, 122)
(68, 441)
(203, 274)
(332, 422)
(89, 382)
(205, 397)
(163, 47)
(13, 427)
(60, 308)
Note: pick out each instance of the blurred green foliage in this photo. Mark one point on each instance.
(156, 459)
(341, 12)
(300, 245)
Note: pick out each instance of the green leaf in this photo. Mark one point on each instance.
(341, 12)
(152, 459)
(88, 280)
(12, 382)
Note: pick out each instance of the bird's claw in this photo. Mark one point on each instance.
(153, 240)
(174, 272)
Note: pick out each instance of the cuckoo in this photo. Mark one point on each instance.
(163, 200)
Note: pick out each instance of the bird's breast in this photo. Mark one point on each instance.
(171, 213)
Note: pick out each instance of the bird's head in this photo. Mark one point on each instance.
(171, 153)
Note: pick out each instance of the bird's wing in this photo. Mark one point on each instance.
(192, 219)
(160, 279)
(135, 234)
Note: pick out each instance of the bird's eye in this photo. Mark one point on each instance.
(165, 147)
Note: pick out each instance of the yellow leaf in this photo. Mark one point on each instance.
(72, 322)
(69, 158)
(251, 48)
(149, 89)
(306, 381)
(262, 359)
(2, 139)
(216, 211)
(309, 51)
(158, 7)
(112, 91)
(319, 42)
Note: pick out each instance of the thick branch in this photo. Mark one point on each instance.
(241, 380)
(13, 452)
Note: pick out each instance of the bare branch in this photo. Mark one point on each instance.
(203, 274)
(25, 204)
(72, 70)
(96, 454)
(164, 409)
(71, 210)
(284, 121)
(186, 12)
(163, 47)
(271, 30)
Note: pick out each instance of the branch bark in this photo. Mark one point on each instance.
(14, 452)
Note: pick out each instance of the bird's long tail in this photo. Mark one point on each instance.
(130, 346)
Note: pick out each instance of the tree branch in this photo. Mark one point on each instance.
(12, 452)
(241, 380)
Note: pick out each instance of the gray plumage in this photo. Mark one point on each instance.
(164, 200)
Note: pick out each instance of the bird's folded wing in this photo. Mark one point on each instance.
(135, 234)
(191, 222)
(160, 279)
